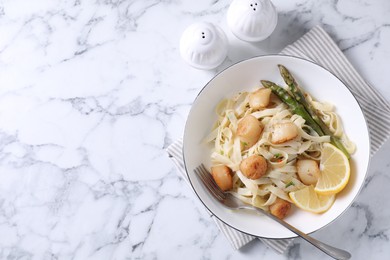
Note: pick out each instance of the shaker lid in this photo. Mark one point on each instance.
(203, 45)
(252, 20)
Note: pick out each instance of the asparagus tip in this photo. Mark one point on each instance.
(266, 83)
(282, 68)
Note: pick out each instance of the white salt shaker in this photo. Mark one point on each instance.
(203, 45)
(252, 20)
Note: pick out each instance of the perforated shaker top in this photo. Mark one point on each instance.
(203, 45)
(252, 20)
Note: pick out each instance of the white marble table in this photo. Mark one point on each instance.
(92, 92)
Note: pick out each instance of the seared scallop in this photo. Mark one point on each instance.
(254, 166)
(260, 98)
(222, 175)
(308, 171)
(280, 208)
(249, 130)
(283, 132)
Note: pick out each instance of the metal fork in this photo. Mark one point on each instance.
(231, 202)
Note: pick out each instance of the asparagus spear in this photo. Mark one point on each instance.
(294, 105)
(300, 97)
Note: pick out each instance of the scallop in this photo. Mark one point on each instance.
(254, 167)
(249, 130)
(280, 208)
(222, 175)
(283, 132)
(308, 171)
(260, 98)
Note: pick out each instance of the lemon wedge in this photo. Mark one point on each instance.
(307, 199)
(335, 171)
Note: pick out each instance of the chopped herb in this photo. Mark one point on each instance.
(244, 143)
(289, 184)
(277, 155)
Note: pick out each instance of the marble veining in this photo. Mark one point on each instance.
(92, 92)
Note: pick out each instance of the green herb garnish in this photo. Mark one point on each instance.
(289, 184)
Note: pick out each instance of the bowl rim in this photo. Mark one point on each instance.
(293, 57)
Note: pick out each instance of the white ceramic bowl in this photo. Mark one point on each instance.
(246, 75)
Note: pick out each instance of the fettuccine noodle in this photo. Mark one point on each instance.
(281, 175)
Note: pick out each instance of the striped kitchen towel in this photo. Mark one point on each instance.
(317, 46)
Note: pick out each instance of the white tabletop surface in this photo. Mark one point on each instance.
(92, 92)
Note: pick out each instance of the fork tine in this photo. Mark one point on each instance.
(209, 182)
(206, 182)
(212, 181)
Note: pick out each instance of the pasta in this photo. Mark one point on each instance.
(253, 125)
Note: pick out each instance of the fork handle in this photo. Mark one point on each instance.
(334, 252)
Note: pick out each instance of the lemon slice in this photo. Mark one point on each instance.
(307, 199)
(335, 171)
